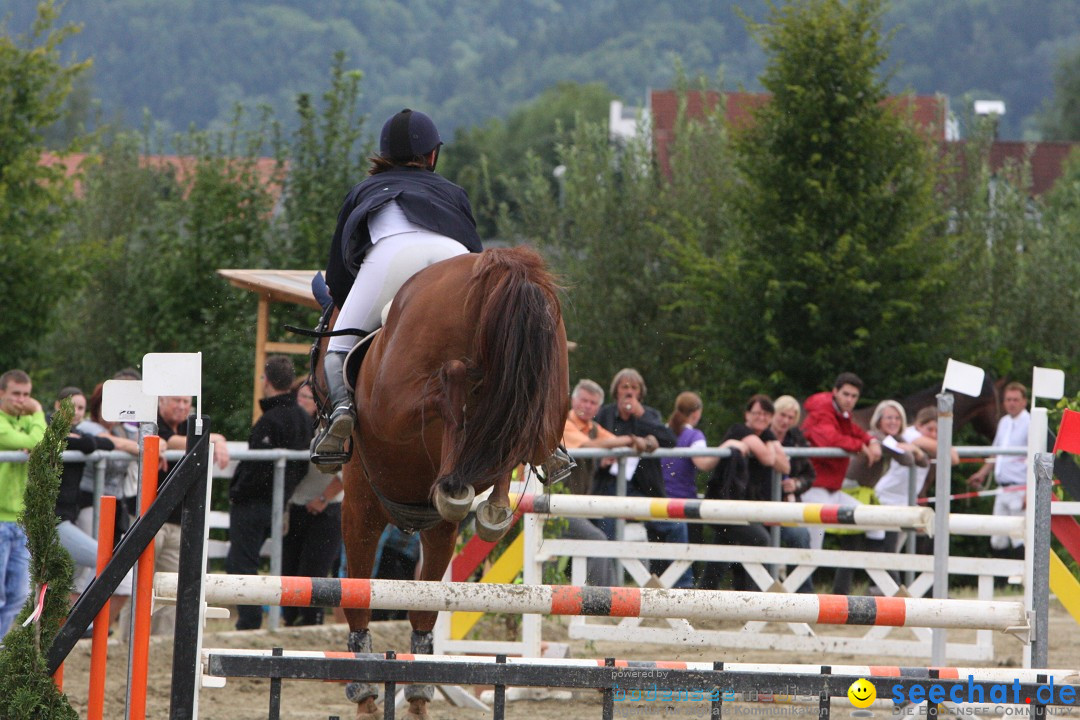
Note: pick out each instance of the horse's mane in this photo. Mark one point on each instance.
(514, 366)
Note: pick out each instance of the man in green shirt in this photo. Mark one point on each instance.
(22, 425)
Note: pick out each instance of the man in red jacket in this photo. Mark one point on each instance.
(828, 423)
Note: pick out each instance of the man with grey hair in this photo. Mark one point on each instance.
(582, 431)
(625, 416)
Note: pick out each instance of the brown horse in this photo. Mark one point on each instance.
(981, 412)
(467, 379)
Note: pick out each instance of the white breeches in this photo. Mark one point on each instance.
(1009, 503)
(390, 262)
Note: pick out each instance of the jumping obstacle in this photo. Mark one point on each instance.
(1062, 582)
(642, 681)
(729, 512)
(607, 602)
(1065, 676)
(741, 512)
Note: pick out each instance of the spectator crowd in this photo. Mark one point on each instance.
(875, 471)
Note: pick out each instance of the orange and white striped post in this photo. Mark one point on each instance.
(144, 588)
(99, 648)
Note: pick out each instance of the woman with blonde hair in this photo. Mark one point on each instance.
(887, 425)
(800, 475)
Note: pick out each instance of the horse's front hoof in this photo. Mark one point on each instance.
(418, 708)
(368, 709)
(492, 521)
(454, 509)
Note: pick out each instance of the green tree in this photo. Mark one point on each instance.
(29, 691)
(701, 247)
(1049, 263)
(1060, 118)
(486, 160)
(153, 229)
(630, 243)
(154, 233)
(838, 268)
(35, 198)
(326, 157)
(600, 240)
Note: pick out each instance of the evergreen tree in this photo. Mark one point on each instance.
(1060, 118)
(326, 157)
(29, 692)
(35, 199)
(488, 160)
(840, 271)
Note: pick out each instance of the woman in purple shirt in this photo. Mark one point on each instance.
(680, 474)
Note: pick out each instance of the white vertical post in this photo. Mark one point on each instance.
(532, 574)
(1036, 444)
(277, 528)
(941, 518)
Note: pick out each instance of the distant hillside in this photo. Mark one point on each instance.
(189, 61)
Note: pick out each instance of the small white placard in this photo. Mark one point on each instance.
(166, 374)
(890, 443)
(963, 378)
(1047, 383)
(125, 401)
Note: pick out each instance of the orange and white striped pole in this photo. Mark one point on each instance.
(603, 601)
(99, 648)
(144, 589)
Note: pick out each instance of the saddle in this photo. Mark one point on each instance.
(355, 359)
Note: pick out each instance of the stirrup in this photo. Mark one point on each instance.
(333, 446)
(557, 467)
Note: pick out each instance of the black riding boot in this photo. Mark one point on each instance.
(329, 447)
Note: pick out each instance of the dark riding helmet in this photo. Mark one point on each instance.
(408, 134)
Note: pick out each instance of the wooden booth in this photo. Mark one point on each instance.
(281, 286)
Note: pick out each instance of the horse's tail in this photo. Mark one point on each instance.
(517, 411)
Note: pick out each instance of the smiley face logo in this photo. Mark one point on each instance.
(862, 693)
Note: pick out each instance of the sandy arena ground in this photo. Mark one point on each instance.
(243, 699)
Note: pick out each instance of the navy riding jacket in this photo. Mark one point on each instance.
(427, 199)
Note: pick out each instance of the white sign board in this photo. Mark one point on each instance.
(166, 374)
(125, 401)
(1047, 383)
(963, 378)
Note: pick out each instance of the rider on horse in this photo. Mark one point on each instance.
(397, 222)
(401, 219)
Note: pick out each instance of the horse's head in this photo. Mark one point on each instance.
(981, 412)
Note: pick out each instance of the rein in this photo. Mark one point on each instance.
(319, 333)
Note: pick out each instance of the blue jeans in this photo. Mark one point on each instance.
(14, 573)
(670, 532)
(798, 537)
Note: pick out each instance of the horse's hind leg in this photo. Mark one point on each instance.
(452, 496)
(362, 522)
(438, 546)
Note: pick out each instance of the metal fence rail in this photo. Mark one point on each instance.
(219, 519)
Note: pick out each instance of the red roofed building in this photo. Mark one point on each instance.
(930, 113)
(1046, 158)
(182, 165)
